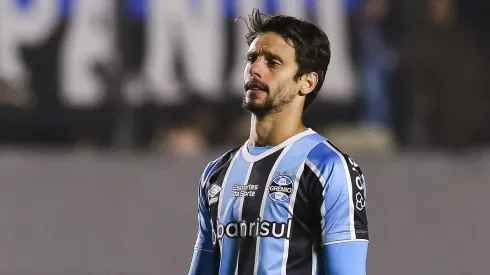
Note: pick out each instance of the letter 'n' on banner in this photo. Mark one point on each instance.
(193, 30)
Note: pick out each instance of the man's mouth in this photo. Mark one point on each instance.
(255, 86)
(256, 91)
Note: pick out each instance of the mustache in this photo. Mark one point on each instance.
(256, 84)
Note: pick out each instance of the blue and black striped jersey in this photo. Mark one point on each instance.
(273, 212)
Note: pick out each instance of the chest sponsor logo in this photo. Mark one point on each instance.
(246, 190)
(255, 229)
(281, 188)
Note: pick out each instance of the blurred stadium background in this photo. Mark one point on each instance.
(109, 111)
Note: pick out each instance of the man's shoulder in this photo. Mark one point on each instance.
(330, 164)
(219, 163)
(327, 154)
(226, 156)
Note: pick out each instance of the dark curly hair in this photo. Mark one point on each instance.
(311, 44)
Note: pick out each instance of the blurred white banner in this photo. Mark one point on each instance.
(194, 28)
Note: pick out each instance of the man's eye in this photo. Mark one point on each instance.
(274, 63)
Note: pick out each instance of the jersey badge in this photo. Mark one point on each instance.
(281, 188)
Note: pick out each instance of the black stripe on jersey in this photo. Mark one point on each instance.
(358, 198)
(251, 211)
(305, 233)
(300, 249)
(314, 193)
(217, 176)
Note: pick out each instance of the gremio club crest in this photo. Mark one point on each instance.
(281, 188)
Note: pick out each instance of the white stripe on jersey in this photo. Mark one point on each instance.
(346, 241)
(349, 186)
(314, 260)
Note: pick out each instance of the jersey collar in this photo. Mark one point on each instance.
(251, 158)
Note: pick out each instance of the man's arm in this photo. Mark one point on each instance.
(203, 257)
(343, 218)
(346, 258)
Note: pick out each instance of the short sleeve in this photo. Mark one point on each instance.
(342, 202)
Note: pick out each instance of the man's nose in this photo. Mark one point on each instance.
(257, 68)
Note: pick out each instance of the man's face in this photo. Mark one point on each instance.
(269, 75)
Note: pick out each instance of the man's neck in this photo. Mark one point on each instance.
(273, 129)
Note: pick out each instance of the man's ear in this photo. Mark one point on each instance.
(308, 83)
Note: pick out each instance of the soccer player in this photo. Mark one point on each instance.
(287, 201)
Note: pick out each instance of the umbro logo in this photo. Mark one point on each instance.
(212, 192)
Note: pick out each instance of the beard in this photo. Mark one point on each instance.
(274, 102)
(264, 108)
